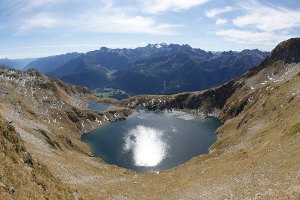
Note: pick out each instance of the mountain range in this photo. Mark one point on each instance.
(153, 69)
(256, 155)
(48, 64)
(16, 63)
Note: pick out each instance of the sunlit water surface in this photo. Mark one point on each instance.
(153, 141)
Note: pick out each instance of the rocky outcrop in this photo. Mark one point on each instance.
(287, 51)
(203, 103)
(51, 100)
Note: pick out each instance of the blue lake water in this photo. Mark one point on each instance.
(153, 141)
(98, 106)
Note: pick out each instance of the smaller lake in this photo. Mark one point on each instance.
(153, 141)
(98, 106)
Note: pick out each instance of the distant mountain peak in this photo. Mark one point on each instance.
(104, 49)
(228, 53)
(160, 45)
(157, 45)
(172, 46)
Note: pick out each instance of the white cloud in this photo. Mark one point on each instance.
(159, 6)
(122, 23)
(261, 23)
(220, 21)
(215, 12)
(251, 37)
(41, 20)
(101, 16)
(29, 7)
(266, 17)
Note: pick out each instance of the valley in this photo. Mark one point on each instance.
(149, 100)
(153, 69)
(256, 155)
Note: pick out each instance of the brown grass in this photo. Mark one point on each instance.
(22, 177)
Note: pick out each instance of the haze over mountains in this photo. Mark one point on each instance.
(153, 69)
(48, 64)
(16, 63)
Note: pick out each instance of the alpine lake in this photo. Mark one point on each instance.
(151, 141)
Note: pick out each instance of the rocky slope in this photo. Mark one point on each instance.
(255, 157)
(42, 122)
(280, 65)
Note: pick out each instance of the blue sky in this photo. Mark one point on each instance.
(35, 28)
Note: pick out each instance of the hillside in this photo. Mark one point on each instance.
(23, 177)
(255, 156)
(41, 122)
(256, 153)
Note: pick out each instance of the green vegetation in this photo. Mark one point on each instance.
(295, 129)
(110, 93)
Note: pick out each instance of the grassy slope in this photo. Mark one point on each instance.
(256, 156)
(21, 176)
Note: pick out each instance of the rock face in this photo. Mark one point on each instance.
(203, 103)
(286, 52)
(255, 156)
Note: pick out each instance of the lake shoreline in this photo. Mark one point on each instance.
(147, 125)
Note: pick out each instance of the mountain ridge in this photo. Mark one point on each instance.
(255, 156)
(16, 63)
(46, 64)
(238, 82)
(143, 67)
(109, 68)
